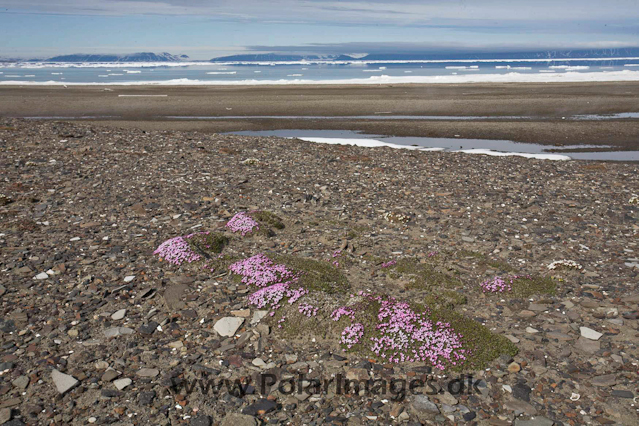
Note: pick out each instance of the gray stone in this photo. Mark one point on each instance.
(604, 381)
(109, 375)
(173, 297)
(258, 316)
(122, 383)
(148, 372)
(117, 331)
(5, 415)
(622, 393)
(63, 382)
(589, 333)
(520, 407)
(21, 383)
(118, 315)
(234, 419)
(201, 420)
(424, 406)
(588, 346)
(227, 326)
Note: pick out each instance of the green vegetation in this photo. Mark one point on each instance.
(316, 275)
(264, 217)
(525, 287)
(425, 276)
(483, 345)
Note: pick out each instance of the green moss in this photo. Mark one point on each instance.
(526, 287)
(267, 218)
(316, 275)
(425, 276)
(484, 346)
(207, 244)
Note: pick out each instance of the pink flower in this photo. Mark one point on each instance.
(243, 223)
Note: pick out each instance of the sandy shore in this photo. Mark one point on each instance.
(546, 103)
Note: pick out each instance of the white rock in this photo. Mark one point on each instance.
(75, 239)
(122, 383)
(129, 278)
(258, 362)
(42, 276)
(257, 316)
(63, 382)
(118, 331)
(531, 330)
(119, 314)
(507, 388)
(589, 333)
(227, 326)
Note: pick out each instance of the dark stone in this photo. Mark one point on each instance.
(201, 421)
(622, 394)
(470, 416)
(109, 393)
(146, 398)
(260, 407)
(148, 329)
(522, 391)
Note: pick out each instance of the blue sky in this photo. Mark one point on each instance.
(203, 29)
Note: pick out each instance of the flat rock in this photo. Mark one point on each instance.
(118, 315)
(259, 408)
(422, 405)
(148, 372)
(588, 346)
(63, 382)
(122, 383)
(604, 381)
(589, 333)
(258, 316)
(117, 331)
(520, 407)
(227, 326)
(173, 296)
(234, 419)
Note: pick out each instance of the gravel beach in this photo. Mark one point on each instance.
(147, 107)
(519, 272)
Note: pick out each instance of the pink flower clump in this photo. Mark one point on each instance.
(307, 309)
(389, 264)
(404, 335)
(177, 250)
(352, 335)
(261, 271)
(343, 311)
(408, 336)
(242, 223)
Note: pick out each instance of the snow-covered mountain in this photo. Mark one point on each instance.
(132, 57)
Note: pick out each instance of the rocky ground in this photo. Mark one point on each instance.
(95, 328)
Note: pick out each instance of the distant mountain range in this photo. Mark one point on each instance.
(416, 56)
(556, 55)
(276, 57)
(132, 57)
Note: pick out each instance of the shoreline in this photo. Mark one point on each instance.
(544, 103)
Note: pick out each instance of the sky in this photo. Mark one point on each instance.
(204, 29)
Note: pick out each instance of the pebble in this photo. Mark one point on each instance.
(42, 276)
(589, 333)
(63, 382)
(122, 383)
(228, 326)
(118, 315)
(129, 278)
